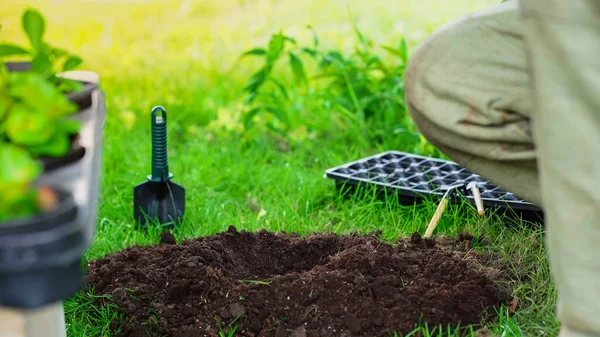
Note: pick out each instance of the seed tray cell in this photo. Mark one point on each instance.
(417, 177)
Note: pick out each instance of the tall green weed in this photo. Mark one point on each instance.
(361, 93)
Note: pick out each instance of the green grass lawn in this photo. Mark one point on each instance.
(184, 55)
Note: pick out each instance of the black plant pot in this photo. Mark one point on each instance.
(84, 99)
(40, 256)
(66, 234)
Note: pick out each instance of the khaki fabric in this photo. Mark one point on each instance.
(512, 92)
(563, 44)
(467, 89)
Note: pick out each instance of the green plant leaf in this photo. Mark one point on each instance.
(257, 80)
(72, 62)
(41, 63)
(276, 45)
(392, 51)
(28, 128)
(315, 37)
(34, 25)
(69, 126)
(251, 97)
(276, 129)
(287, 38)
(37, 93)
(309, 51)
(23, 207)
(280, 114)
(7, 49)
(17, 171)
(348, 114)
(298, 69)
(58, 52)
(4, 107)
(67, 85)
(248, 116)
(404, 50)
(281, 88)
(57, 146)
(254, 52)
(333, 56)
(360, 35)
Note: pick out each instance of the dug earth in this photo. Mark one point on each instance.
(266, 284)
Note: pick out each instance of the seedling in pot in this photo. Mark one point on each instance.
(45, 60)
(50, 141)
(34, 119)
(159, 198)
(18, 199)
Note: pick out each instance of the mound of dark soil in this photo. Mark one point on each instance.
(286, 285)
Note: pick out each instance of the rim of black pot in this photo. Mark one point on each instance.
(64, 212)
(83, 98)
(18, 66)
(76, 153)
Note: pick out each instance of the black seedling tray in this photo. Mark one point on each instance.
(417, 178)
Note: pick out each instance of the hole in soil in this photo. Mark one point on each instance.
(287, 285)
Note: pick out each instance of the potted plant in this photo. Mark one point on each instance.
(51, 129)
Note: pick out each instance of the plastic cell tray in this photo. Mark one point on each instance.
(417, 178)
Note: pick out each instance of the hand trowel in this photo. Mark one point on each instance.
(159, 198)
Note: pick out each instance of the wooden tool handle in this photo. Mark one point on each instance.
(436, 217)
(478, 201)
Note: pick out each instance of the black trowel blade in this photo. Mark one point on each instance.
(159, 201)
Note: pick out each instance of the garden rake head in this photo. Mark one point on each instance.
(159, 199)
(472, 187)
(441, 207)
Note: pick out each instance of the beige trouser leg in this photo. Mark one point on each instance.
(467, 88)
(477, 86)
(563, 43)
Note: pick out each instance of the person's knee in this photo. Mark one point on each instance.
(444, 77)
(413, 82)
(419, 90)
(430, 69)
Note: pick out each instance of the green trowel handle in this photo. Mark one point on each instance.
(160, 160)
